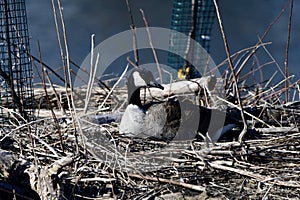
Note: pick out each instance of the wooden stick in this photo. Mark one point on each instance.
(185, 86)
(55, 92)
(261, 178)
(92, 69)
(163, 180)
(49, 103)
(262, 37)
(235, 106)
(278, 130)
(151, 45)
(133, 29)
(130, 62)
(112, 89)
(244, 131)
(286, 62)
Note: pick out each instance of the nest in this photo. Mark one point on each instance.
(63, 159)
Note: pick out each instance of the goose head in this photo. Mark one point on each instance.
(140, 78)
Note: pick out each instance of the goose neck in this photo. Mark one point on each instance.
(134, 97)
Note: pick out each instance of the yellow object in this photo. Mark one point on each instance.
(187, 70)
(183, 73)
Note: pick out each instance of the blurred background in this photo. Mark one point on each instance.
(244, 22)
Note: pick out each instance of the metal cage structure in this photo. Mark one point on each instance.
(195, 19)
(16, 74)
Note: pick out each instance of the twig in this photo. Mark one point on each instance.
(265, 197)
(130, 62)
(22, 125)
(163, 180)
(278, 130)
(253, 70)
(67, 72)
(151, 45)
(244, 131)
(266, 86)
(235, 106)
(90, 87)
(272, 88)
(262, 37)
(55, 92)
(49, 103)
(94, 179)
(67, 68)
(14, 116)
(189, 52)
(58, 164)
(286, 62)
(112, 89)
(133, 29)
(235, 55)
(49, 68)
(93, 70)
(220, 165)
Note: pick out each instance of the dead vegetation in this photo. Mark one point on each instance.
(66, 154)
(100, 163)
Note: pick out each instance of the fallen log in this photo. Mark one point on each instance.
(186, 87)
(278, 130)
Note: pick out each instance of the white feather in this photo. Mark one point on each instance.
(138, 80)
(133, 120)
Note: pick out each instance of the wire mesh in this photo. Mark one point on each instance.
(16, 91)
(195, 19)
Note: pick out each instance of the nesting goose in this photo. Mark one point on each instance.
(165, 119)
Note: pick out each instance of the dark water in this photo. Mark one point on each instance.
(244, 21)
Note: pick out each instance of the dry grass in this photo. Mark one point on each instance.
(56, 162)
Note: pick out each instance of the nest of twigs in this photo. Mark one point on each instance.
(64, 154)
(60, 159)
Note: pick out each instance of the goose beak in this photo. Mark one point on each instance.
(155, 84)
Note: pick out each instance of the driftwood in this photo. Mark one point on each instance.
(278, 130)
(39, 179)
(186, 87)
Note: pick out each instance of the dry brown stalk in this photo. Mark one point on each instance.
(259, 177)
(258, 68)
(235, 106)
(272, 88)
(133, 29)
(130, 62)
(91, 74)
(67, 71)
(55, 92)
(264, 35)
(67, 67)
(244, 131)
(237, 54)
(48, 101)
(286, 62)
(163, 180)
(255, 48)
(151, 45)
(93, 71)
(114, 86)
